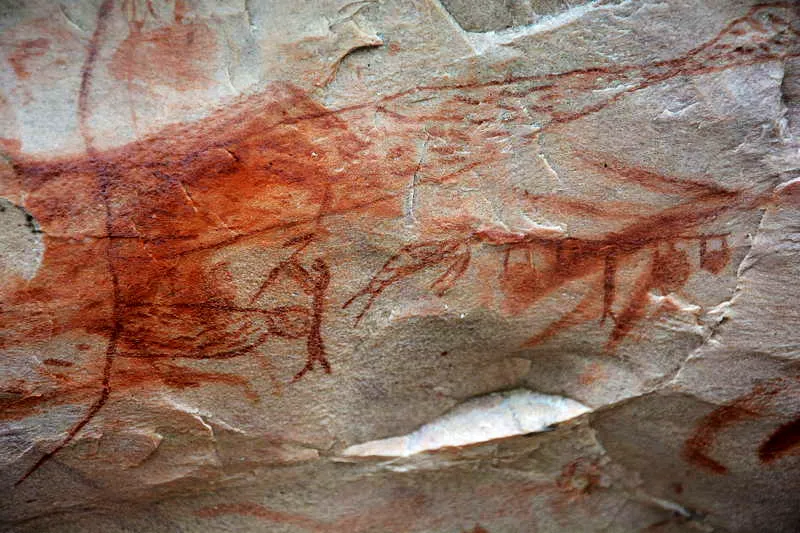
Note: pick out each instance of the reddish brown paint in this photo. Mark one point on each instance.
(783, 441)
(578, 258)
(414, 258)
(87, 70)
(131, 232)
(262, 512)
(392, 517)
(168, 204)
(698, 447)
(653, 239)
(605, 210)
(714, 260)
(131, 375)
(25, 51)
(57, 362)
(578, 481)
(181, 9)
(580, 477)
(176, 56)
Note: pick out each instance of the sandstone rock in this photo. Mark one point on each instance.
(440, 266)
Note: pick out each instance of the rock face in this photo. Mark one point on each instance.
(400, 266)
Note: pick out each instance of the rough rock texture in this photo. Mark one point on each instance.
(400, 266)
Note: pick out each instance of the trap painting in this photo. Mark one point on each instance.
(142, 240)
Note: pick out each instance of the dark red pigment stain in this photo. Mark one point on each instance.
(698, 447)
(131, 247)
(661, 240)
(86, 76)
(714, 260)
(454, 255)
(26, 51)
(314, 282)
(563, 259)
(392, 517)
(783, 441)
(578, 480)
(770, 34)
(264, 513)
(131, 234)
(57, 362)
(134, 234)
(176, 56)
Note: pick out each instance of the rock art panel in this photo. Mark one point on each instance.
(245, 244)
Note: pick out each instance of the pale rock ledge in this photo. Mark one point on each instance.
(481, 419)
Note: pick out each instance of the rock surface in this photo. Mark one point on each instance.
(400, 266)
